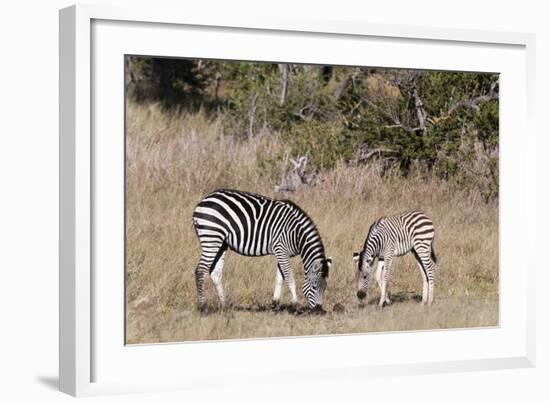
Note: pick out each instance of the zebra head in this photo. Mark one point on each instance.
(363, 272)
(315, 283)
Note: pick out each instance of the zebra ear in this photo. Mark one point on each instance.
(356, 257)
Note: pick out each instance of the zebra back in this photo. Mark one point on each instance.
(401, 229)
(252, 225)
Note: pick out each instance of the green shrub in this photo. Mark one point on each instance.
(447, 122)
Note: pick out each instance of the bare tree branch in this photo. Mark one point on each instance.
(296, 177)
(420, 111)
(284, 69)
(252, 115)
(395, 120)
(346, 83)
(305, 117)
(310, 110)
(472, 103)
(406, 81)
(366, 154)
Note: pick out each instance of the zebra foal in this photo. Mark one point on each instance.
(254, 225)
(395, 236)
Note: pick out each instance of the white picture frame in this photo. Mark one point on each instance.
(92, 353)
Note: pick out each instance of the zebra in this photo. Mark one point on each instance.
(254, 225)
(392, 236)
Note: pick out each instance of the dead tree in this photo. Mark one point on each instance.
(365, 153)
(284, 69)
(420, 112)
(252, 115)
(346, 83)
(472, 102)
(407, 82)
(296, 177)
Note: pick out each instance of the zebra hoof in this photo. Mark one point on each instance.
(275, 305)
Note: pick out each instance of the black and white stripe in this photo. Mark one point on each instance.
(395, 236)
(254, 225)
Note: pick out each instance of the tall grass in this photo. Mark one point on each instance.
(174, 159)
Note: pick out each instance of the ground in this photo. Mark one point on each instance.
(175, 159)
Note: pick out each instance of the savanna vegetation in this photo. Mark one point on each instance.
(348, 145)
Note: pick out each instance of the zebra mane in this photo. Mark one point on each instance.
(294, 205)
(237, 191)
(372, 229)
(301, 211)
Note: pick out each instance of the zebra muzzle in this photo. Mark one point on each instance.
(361, 294)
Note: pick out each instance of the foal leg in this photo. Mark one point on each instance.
(424, 277)
(421, 252)
(378, 277)
(431, 280)
(388, 258)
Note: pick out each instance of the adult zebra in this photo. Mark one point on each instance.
(395, 236)
(254, 225)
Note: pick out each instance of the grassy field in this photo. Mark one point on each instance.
(175, 159)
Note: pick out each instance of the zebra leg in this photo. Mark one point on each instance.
(211, 253)
(285, 269)
(216, 276)
(424, 278)
(431, 280)
(378, 277)
(278, 287)
(200, 275)
(421, 252)
(291, 286)
(431, 276)
(388, 258)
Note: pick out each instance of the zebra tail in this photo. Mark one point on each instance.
(434, 258)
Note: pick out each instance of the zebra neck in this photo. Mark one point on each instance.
(312, 249)
(373, 249)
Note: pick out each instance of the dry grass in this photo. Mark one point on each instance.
(175, 159)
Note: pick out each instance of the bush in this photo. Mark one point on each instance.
(445, 121)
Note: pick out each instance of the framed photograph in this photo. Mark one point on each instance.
(253, 191)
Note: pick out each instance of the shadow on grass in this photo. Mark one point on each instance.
(296, 310)
(400, 297)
